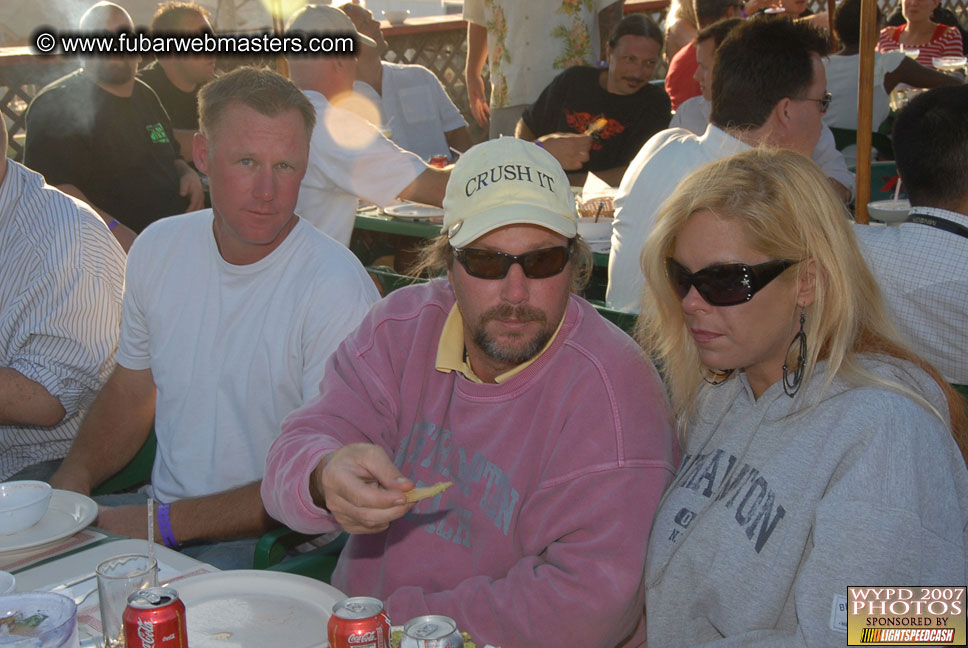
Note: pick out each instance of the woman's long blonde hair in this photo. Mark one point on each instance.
(789, 211)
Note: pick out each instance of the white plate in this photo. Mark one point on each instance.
(67, 514)
(248, 607)
(414, 211)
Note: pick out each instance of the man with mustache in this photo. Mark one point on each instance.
(548, 420)
(619, 100)
(101, 135)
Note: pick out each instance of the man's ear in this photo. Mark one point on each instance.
(200, 147)
(807, 280)
(783, 113)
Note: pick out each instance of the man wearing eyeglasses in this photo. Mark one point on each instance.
(552, 426)
(768, 88)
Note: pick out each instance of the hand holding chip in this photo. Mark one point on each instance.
(361, 487)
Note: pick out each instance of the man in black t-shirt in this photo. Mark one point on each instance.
(176, 79)
(618, 103)
(101, 135)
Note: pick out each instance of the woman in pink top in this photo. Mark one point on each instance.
(931, 39)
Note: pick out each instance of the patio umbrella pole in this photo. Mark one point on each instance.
(278, 26)
(865, 107)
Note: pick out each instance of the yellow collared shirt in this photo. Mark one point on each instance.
(450, 350)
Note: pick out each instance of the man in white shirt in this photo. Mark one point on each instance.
(230, 315)
(768, 88)
(920, 265)
(416, 112)
(61, 278)
(693, 114)
(348, 157)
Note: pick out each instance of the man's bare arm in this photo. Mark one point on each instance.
(26, 402)
(459, 139)
(236, 513)
(115, 428)
(473, 72)
(124, 234)
(521, 131)
(184, 137)
(428, 187)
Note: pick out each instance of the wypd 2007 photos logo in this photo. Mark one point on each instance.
(898, 616)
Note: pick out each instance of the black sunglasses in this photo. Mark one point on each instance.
(490, 264)
(725, 284)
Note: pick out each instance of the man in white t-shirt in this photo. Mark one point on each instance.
(348, 157)
(417, 114)
(769, 88)
(693, 114)
(229, 317)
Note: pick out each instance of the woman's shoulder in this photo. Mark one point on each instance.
(891, 33)
(884, 395)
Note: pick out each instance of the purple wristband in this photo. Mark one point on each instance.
(540, 145)
(113, 223)
(164, 526)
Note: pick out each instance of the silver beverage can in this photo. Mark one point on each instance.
(431, 631)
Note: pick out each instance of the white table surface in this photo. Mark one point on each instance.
(172, 566)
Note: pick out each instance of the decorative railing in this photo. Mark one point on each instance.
(438, 43)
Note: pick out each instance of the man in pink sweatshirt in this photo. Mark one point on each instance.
(552, 425)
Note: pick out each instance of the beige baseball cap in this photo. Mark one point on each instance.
(507, 181)
(327, 20)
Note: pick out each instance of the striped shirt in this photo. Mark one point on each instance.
(61, 282)
(945, 41)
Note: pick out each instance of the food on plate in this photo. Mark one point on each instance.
(424, 492)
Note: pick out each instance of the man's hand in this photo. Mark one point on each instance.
(361, 488)
(189, 184)
(130, 521)
(570, 149)
(480, 109)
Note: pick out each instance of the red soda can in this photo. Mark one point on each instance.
(155, 618)
(439, 161)
(359, 622)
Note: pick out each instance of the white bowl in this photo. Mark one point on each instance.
(396, 16)
(592, 231)
(887, 211)
(22, 504)
(7, 582)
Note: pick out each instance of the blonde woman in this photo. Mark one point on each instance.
(680, 27)
(818, 451)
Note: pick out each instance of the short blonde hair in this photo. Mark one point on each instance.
(788, 210)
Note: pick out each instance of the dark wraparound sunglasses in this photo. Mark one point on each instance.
(490, 264)
(726, 284)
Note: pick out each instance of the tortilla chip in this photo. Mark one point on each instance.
(423, 493)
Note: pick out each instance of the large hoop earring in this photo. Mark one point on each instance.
(791, 384)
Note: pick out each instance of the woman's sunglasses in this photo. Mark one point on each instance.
(489, 264)
(726, 284)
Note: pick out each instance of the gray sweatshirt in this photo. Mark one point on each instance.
(776, 509)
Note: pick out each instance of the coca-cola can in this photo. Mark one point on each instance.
(359, 622)
(155, 618)
(431, 631)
